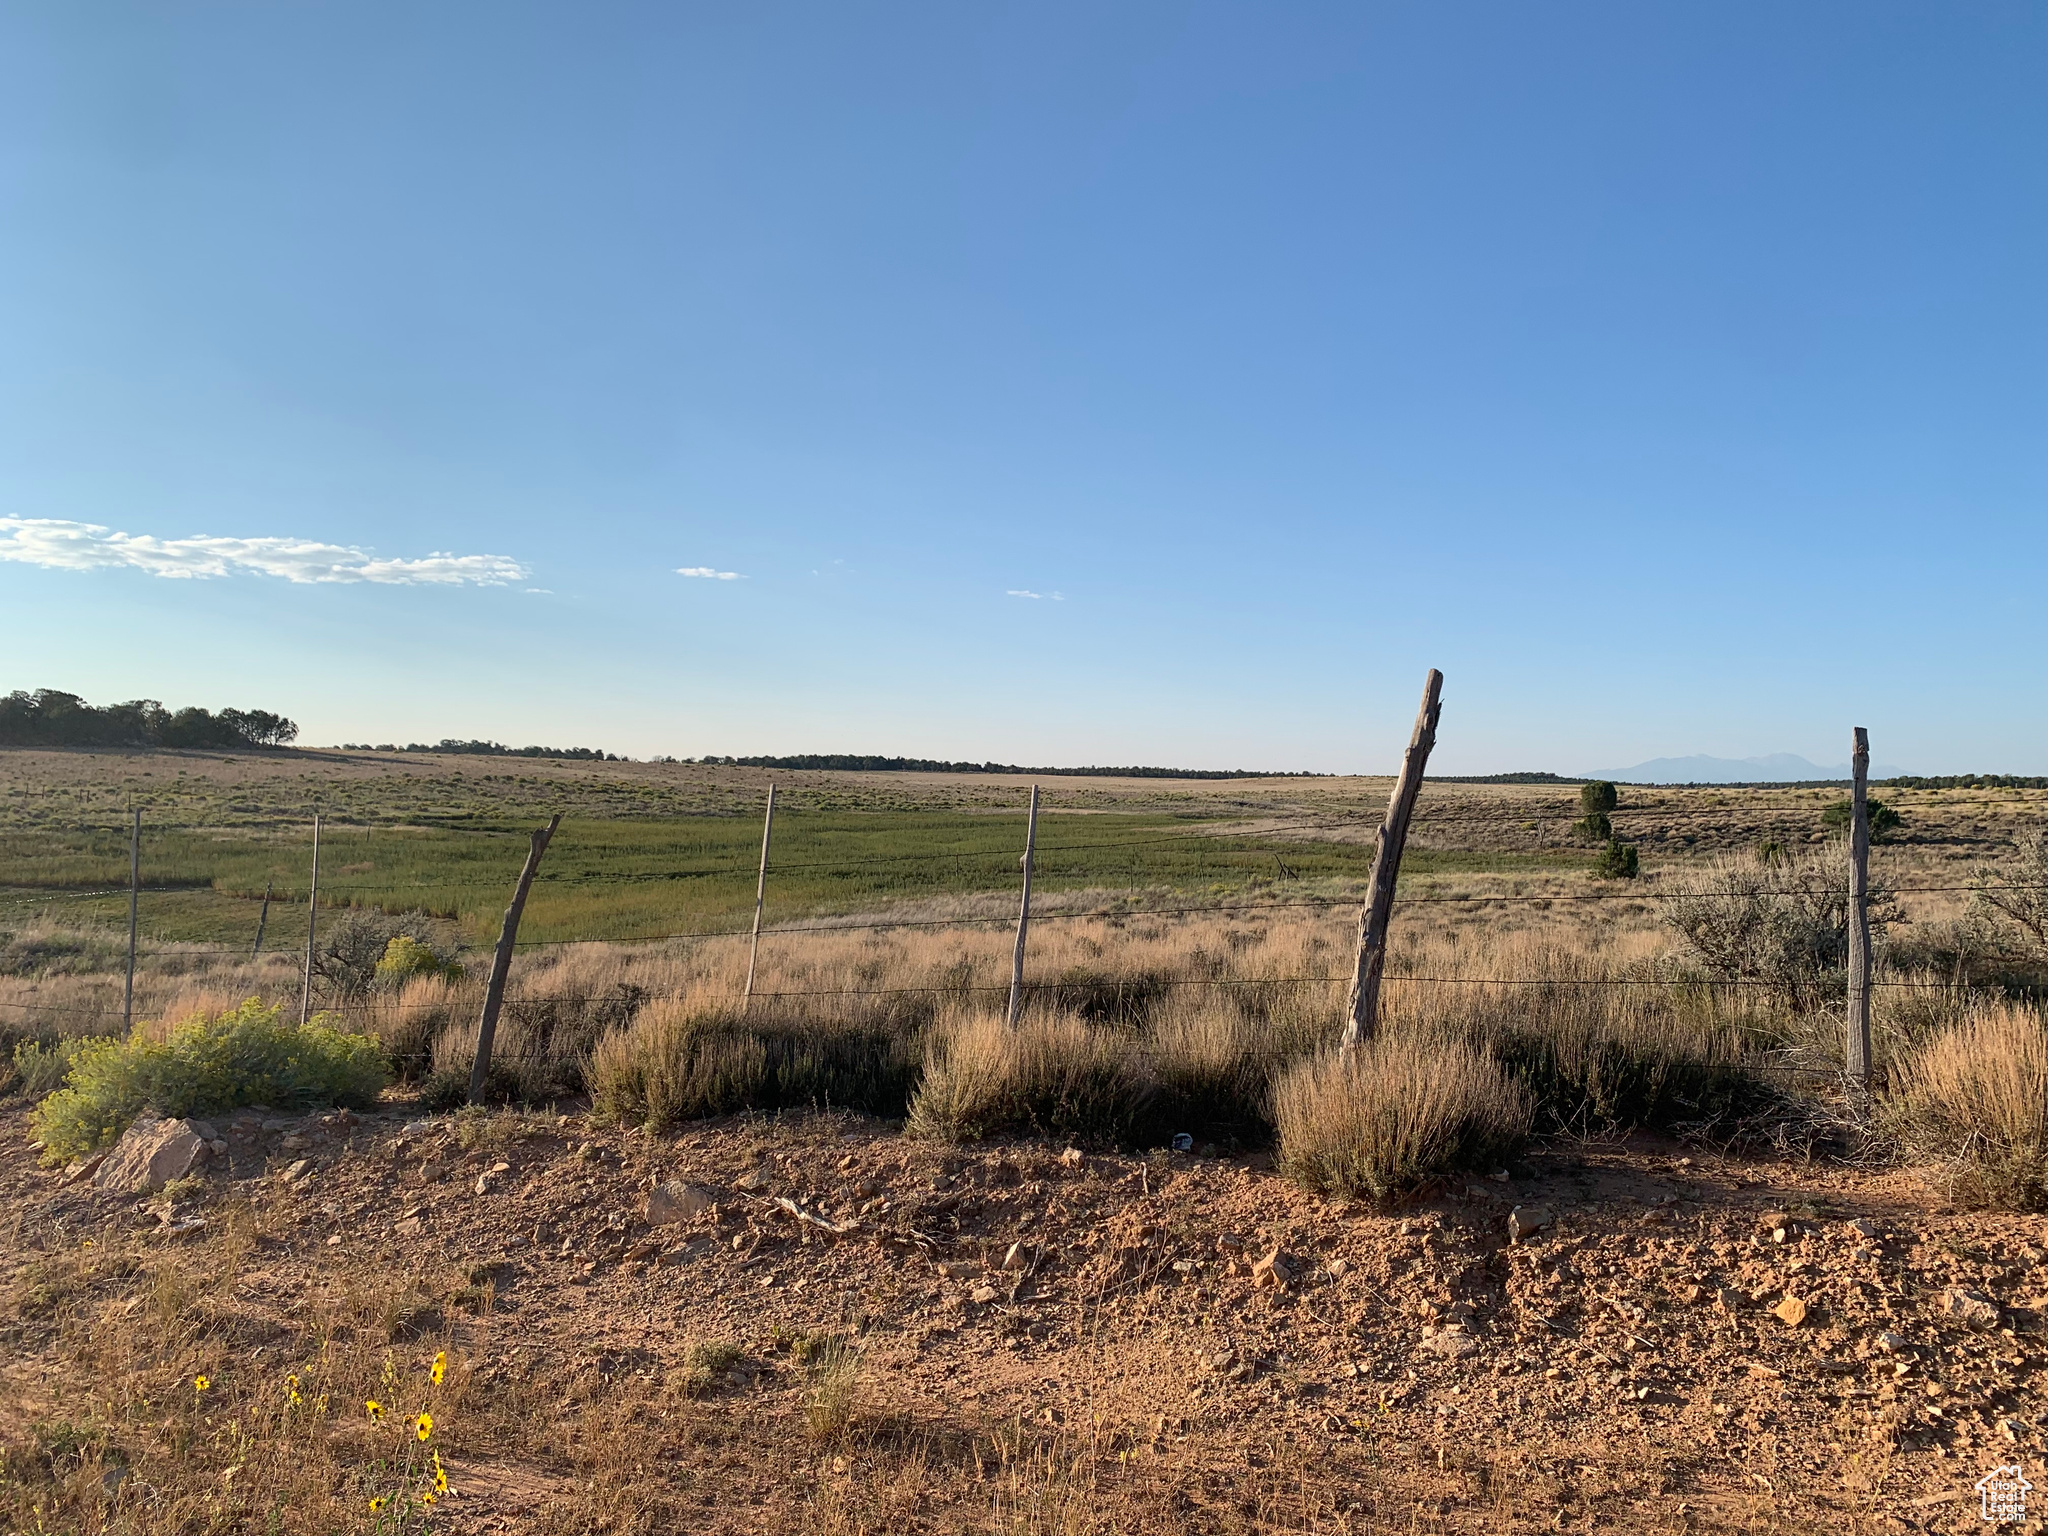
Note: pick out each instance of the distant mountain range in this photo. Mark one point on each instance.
(1778, 768)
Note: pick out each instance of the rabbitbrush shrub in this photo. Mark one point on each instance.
(39, 1068)
(249, 1055)
(407, 959)
(1402, 1111)
(1975, 1097)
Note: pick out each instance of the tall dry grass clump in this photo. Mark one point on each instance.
(1055, 1075)
(1601, 1048)
(685, 1059)
(1403, 1110)
(1215, 1055)
(1976, 1098)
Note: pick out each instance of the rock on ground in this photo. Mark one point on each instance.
(151, 1153)
(676, 1201)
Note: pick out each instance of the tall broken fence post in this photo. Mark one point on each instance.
(760, 899)
(1363, 1016)
(501, 962)
(312, 923)
(1023, 914)
(1857, 1047)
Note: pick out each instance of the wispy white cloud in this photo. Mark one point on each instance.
(67, 546)
(708, 574)
(1035, 596)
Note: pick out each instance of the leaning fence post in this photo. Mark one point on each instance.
(312, 923)
(1858, 1048)
(262, 917)
(501, 962)
(1023, 913)
(1364, 1015)
(760, 899)
(134, 890)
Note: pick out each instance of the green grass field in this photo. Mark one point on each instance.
(626, 879)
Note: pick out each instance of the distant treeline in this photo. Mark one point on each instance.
(488, 749)
(48, 718)
(846, 762)
(1970, 781)
(1504, 778)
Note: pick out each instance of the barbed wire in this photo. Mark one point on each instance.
(635, 996)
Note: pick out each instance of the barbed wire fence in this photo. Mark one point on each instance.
(1045, 865)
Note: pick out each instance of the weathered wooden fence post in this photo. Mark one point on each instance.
(501, 962)
(312, 923)
(1023, 913)
(1364, 1014)
(1858, 1046)
(134, 891)
(760, 899)
(262, 917)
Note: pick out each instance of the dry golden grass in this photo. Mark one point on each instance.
(1401, 1110)
(1053, 1075)
(1975, 1099)
(681, 1061)
(1136, 1027)
(834, 1398)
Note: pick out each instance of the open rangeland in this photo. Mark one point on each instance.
(1589, 1240)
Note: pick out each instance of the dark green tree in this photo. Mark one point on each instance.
(1617, 861)
(1883, 819)
(1596, 800)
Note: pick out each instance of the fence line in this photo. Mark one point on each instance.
(1162, 984)
(1200, 838)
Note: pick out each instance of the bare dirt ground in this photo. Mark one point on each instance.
(1684, 1342)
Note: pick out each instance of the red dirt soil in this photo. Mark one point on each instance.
(1631, 1364)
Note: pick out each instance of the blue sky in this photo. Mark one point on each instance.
(1673, 377)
